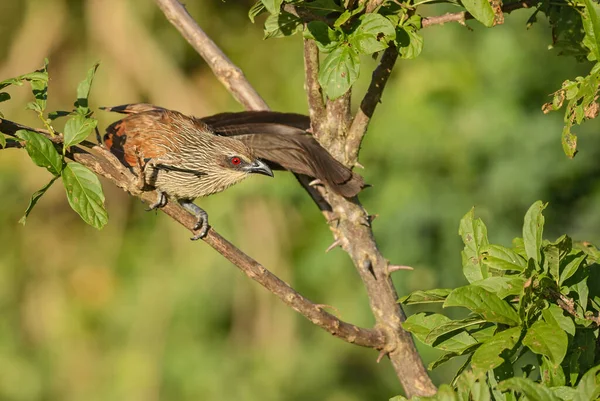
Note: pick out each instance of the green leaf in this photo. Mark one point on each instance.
(582, 354)
(53, 115)
(425, 297)
(551, 375)
(85, 195)
(282, 24)
(257, 9)
(533, 229)
(408, 39)
(35, 198)
(502, 286)
(4, 96)
(2, 140)
(569, 140)
(481, 10)
(373, 34)
(39, 86)
(533, 391)
(77, 129)
(591, 25)
(326, 38)
(484, 303)
(480, 392)
(273, 6)
(589, 386)
(339, 71)
(565, 393)
(321, 7)
(555, 315)
(571, 268)
(42, 151)
(452, 326)
(83, 91)
(474, 235)
(345, 17)
(544, 339)
(421, 324)
(488, 357)
(501, 258)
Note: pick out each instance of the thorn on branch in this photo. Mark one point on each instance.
(382, 353)
(336, 243)
(315, 182)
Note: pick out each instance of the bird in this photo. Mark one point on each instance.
(280, 139)
(180, 157)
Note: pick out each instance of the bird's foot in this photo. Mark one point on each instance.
(202, 224)
(161, 201)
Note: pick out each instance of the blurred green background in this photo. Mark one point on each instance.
(138, 312)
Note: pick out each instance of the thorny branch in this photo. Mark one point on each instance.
(347, 219)
(103, 163)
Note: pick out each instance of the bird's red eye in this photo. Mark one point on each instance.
(236, 161)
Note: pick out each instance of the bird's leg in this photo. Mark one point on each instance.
(160, 202)
(141, 163)
(202, 224)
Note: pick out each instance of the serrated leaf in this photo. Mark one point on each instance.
(273, 6)
(502, 286)
(257, 9)
(488, 357)
(373, 34)
(484, 303)
(555, 315)
(544, 339)
(41, 151)
(533, 391)
(533, 229)
(35, 198)
(326, 38)
(77, 129)
(83, 91)
(425, 297)
(501, 258)
(339, 71)
(481, 10)
(84, 194)
(474, 235)
(571, 268)
(282, 24)
(591, 25)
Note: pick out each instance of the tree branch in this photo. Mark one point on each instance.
(351, 226)
(228, 73)
(372, 98)
(316, 106)
(463, 15)
(103, 163)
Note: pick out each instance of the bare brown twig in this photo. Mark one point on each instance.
(99, 161)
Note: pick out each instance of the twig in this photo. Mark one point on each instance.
(229, 74)
(463, 15)
(568, 305)
(369, 103)
(316, 106)
(99, 163)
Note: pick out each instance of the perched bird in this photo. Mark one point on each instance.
(181, 157)
(280, 139)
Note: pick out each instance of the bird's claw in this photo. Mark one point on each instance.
(202, 223)
(160, 202)
(203, 226)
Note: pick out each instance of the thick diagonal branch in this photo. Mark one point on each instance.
(103, 163)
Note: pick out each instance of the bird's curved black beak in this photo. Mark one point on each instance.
(260, 167)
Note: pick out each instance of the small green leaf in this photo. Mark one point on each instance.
(408, 39)
(273, 6)
(345, 17)
(589, 386)
(53, 115)
(373, 34)
(555, 315)
(39, 87)
(257, 9)
(569, 140)
(501, 258)
(77, 129)
(533, 391)
(85, 195)
(571, 267)
(565, 393)
(321, 7)
(502, 286)
(35, 198)
(425, 297)
(2, 141)
(488, 357)
(551, 375)
(533, 229)
(591, 25)
(282, 24)
(339, 71)
(4, 96)
(421, 325)
(544, 339)
(484, 303)
(452, 326)
(42, 151)
(326, 38)
(481, 10)
(474, 235)
(83, 91)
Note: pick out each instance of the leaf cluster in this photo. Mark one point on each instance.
(535, 301)
(82, 186)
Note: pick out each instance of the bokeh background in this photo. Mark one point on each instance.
(136, 311)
